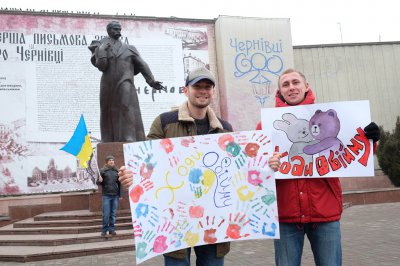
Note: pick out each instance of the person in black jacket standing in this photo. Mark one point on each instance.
(112, 193)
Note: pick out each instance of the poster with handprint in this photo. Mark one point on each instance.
(321, 140)
(201, 190)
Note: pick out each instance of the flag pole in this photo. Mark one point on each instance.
(95, 153)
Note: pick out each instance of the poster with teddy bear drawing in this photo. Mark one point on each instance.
(321, 140)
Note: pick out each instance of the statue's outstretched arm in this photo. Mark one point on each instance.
(142, 67)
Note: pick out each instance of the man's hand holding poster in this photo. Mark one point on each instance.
(201, 190)
(321, 140)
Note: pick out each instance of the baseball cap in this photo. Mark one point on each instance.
(198, 74)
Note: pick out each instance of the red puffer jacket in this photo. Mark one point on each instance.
(308, 200)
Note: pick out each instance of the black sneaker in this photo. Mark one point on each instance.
(113, 233)
(103, 234)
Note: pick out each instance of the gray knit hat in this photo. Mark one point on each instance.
(109, 157)
(198, 74)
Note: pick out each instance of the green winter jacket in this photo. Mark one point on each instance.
(179, 123)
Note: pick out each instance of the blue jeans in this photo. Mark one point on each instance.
(324, 239)
(206, 255)
(110, 206)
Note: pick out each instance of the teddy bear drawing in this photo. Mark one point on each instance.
(324, 127)
(297, 131)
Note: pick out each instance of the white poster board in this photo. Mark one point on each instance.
(321, 140)
(201, 190)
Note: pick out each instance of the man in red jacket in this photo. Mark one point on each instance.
(311, 206)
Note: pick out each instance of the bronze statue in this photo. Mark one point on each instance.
(120, 116)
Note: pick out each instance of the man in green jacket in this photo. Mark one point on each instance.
(194, 117)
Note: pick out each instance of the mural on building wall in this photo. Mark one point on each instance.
(52, 177)
(194, 45)
(47, 82)
(251, 54)
(260, 62)
(193, 39)
(13, 148)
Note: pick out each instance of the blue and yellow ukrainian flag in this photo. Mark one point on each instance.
(80, 145)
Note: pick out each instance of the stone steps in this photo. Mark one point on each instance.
(372, 196)
(10, 230)
(31, 223)
(37, 253)
(369, 190)
(61, 239)
(379, 181)
(63, 235)
(76, 215)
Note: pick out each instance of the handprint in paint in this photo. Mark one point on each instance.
(252, 149)
(262, 205)
(168, 147)
(270, 231)
(141, 250)
(160, 243)
(191, 238)
(133, 164)
(196, 211)
(137, 228)
(257, 225)
(186, 142)
(254, 177)
(135, 193)
(148, 213)
(193, 211)
(138, 190)
(244, 190)
(147, 167)
(144, 156)
(269, 196)
(255, 222)
(179, 232)
(254, 174)
(143, 247)
(201, 181)
(210, 226)
(227, 143)
(236, 225)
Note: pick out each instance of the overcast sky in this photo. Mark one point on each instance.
(312, 21)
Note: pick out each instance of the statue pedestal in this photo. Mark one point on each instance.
(103, 149)
(110, 148)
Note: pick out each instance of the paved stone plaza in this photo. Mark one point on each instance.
(370, 236)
